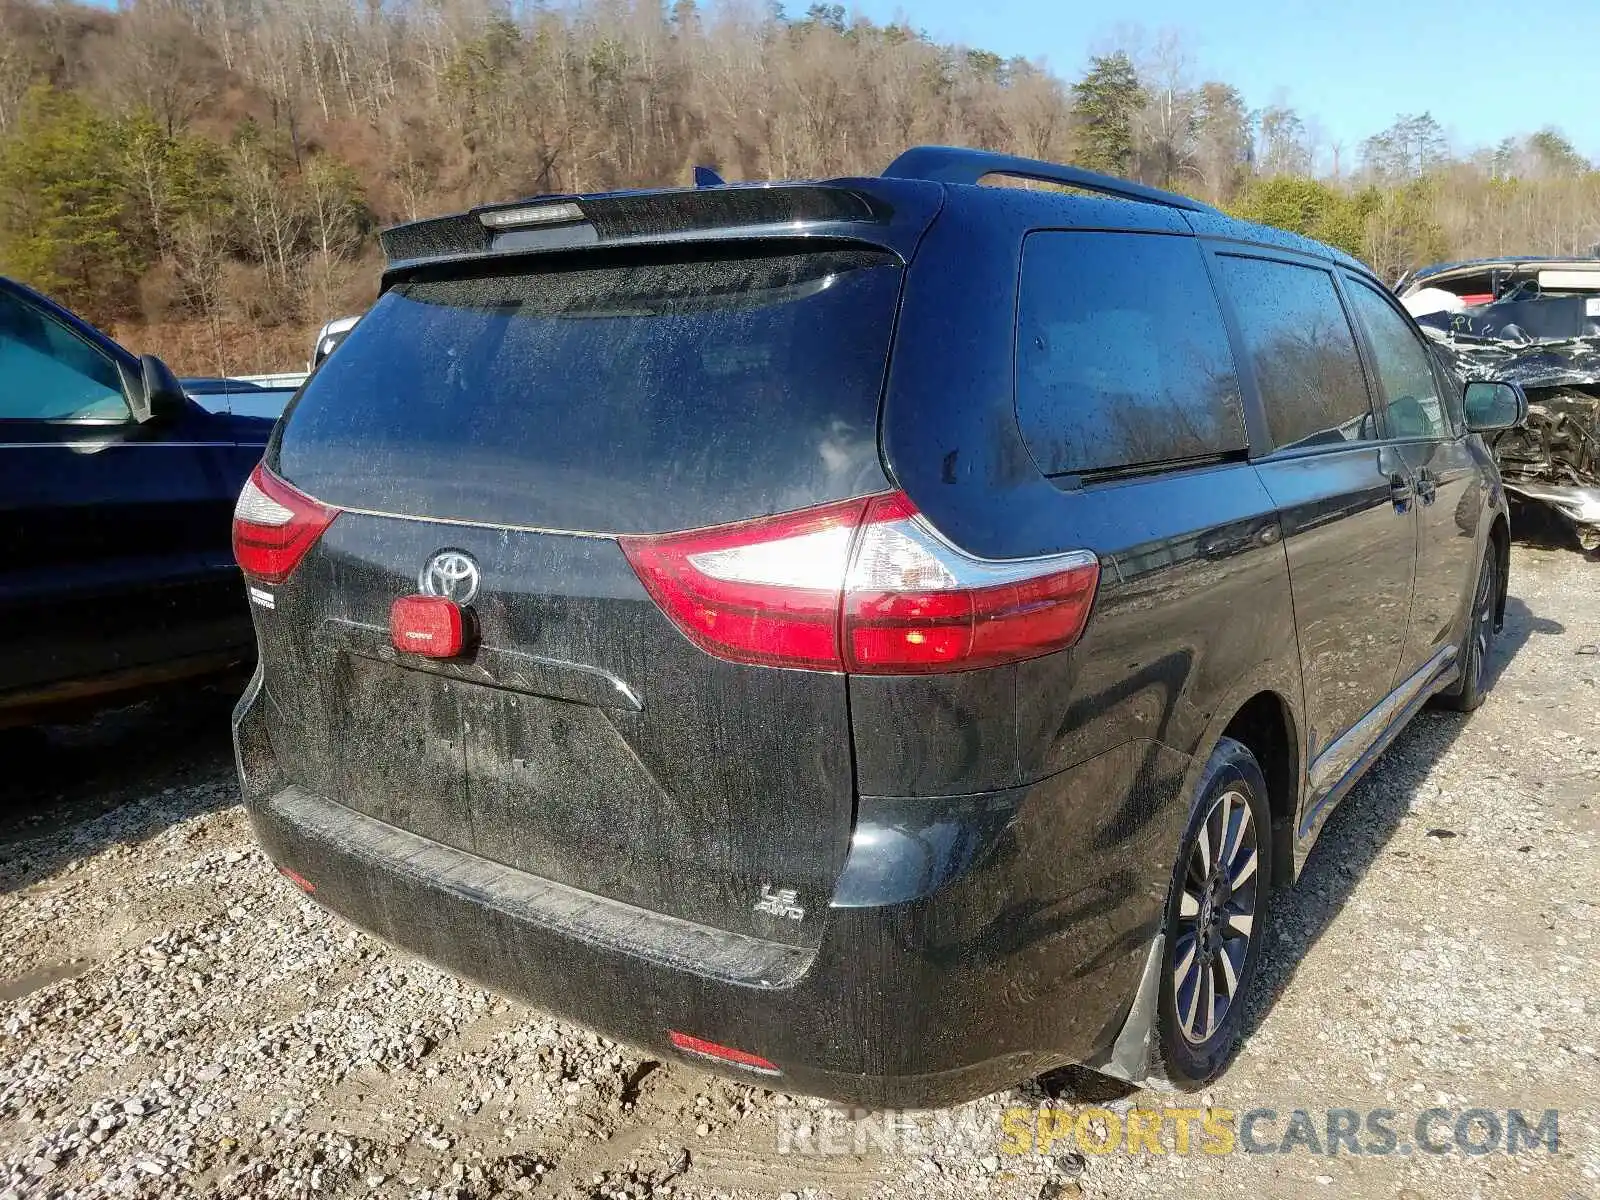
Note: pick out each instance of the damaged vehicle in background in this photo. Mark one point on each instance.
(1535, 322)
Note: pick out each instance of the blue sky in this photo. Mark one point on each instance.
(1486, 69)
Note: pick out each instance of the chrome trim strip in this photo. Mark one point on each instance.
(1063, 560)
(452, 521)
(102, 443)
(1023, 568)
(1330, 768)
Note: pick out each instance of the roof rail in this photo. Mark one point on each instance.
(955, 164)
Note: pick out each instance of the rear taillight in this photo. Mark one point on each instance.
(913, 602)
(274, 525)
(762, 591)
(865, 586)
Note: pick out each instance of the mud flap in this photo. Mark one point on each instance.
(1128, 1057)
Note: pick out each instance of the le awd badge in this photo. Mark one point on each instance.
(780, 902)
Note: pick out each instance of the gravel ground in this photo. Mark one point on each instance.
(175, 1020)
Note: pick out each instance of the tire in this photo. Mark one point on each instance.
(1470, 691)
(1216, 920)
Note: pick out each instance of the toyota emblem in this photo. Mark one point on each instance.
(451, 574)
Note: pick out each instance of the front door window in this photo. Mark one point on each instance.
(50, 373)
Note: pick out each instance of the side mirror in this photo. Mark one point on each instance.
(159, 396)
(1493, 404)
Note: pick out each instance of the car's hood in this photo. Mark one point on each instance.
(1574, 362)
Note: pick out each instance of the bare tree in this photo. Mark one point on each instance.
(1281, 147)
(155, 61)
(323, 118)
(1222, 140)
(199, 253)
(1165, 136)
(18, 61)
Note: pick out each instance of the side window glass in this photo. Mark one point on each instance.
(1410, 387)
(1122, 356)
(49, 373)
(1454, 389)
(1303, 352)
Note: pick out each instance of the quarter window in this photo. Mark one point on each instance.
(1410, 388)
(1302, 351)
(50, 373)
(1122, 357)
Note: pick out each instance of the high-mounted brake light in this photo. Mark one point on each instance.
(530, 214)
(274, 525)
(866, 586)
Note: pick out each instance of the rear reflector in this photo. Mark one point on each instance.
(738, 1058)
(431, 626)
(274, 524)
(299, 880)
(866, 586)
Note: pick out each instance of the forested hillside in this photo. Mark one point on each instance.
(205, 177)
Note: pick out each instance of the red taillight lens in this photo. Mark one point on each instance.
(763, 591)
(865, 586)
(739, 1058)
(274, 525)
(431, 626)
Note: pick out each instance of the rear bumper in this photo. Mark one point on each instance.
(545, 946)
(1014, 964)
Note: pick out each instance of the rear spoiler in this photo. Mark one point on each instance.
(890, 214)
(891, 211)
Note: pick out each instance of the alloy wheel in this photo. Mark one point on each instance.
(1216, 916)
(1483, 619)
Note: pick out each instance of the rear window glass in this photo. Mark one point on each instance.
(628, 398)
(1122, 357)
(1303, 352)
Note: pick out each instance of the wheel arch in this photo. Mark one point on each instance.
(1267, 721)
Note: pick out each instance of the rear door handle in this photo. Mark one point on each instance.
(1427, 486)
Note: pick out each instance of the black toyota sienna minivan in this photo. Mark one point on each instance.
(881, 638)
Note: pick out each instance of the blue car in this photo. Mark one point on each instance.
(116, 494)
